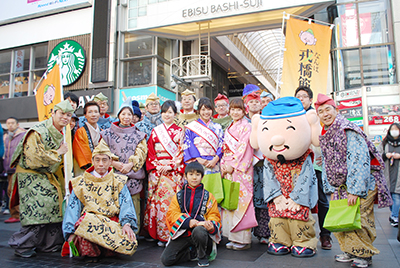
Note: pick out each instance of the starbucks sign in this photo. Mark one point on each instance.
(70, 56)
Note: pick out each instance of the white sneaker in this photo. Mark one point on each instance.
(6, 211)
(345, 257)
(229, 245)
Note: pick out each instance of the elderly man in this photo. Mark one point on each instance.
(305, 95)
(222, 108)
(105, 119)
(100, 217)
(87, 137)
(188, 113)
(152, 117)
(266, 98)
(351, 159)
(37, 184)
(11, 140)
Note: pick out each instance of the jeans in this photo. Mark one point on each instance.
(323, 205)
(396, 205)
(178, 249)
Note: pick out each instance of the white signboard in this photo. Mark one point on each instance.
(14, 10)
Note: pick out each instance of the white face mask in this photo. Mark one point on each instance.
(394, 133)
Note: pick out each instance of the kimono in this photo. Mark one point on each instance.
(83, 146)
(149, 122)
(129, 145)
(224, 122)
(164, 150)
(103, 123)
(97, 210)
(239, 154)
(37, 186)
(183, 119)
(202, 140)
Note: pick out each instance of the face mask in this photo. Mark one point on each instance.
(394, 133)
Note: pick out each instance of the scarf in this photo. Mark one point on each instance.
(392, 141)
(154, 118)
(334, 148)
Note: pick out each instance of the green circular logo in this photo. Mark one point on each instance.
(70, 56)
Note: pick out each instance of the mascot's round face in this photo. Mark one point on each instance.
(285, 138)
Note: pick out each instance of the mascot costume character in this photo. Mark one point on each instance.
(284, 132)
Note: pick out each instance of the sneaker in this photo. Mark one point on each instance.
(263, 240)
(161, 244)
(277, 249)
(361, 262)
(229, 245)
(25, 254)
(302, 252)
(394, 221)
(203, 262)
(11, 220)
(213, 253)
(345, 257)
(238, 246)
(6, 212)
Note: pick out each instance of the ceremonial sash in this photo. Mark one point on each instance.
(257, 156)
(204, 132)
(165, 140)
(231, 141)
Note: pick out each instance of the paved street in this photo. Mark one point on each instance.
(148, 254)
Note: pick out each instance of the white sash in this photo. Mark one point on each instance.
(204, 132)
(257, 156)
(165, 140)
(231, 141)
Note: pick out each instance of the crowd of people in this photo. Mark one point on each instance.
(139, 176)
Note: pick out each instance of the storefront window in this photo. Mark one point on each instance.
(4, 86)
(5, 62)
(378, 68)
(163, 74)
(137, 72)
(373, 22)
(347, 25)
(21, 84)
(164, 48)
(40, 54)
(137, 45)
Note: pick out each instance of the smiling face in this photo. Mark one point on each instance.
(125, 116)
(168, 116)
(205, 113)
(327, 114)
(282, 136)
(92, 115)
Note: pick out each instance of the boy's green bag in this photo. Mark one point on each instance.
(231, 194)
(341, 217)
(213, 184)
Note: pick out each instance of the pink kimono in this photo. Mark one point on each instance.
(239, 154)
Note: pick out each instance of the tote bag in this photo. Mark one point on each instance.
(213, 184)
(341, 217)
(231, 194)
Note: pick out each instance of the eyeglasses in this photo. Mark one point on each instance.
(153, 104)
(302, 96)
(102, 104)
(221, 105)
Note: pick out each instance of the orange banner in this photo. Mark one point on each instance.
(48, 93)
(306, 59)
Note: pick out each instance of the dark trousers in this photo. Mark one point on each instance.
(178, 249)
(323, 206)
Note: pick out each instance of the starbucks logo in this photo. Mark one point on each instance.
(70, 56)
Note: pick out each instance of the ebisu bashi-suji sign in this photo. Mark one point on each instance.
(71, 58)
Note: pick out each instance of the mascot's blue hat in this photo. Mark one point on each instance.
(283, 108)
(249, 89)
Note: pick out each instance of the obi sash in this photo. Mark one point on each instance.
(204, 132)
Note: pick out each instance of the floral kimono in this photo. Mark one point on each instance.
(205, 141)
(163, 149)
(239, 155)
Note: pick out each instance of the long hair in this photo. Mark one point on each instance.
(385, 140)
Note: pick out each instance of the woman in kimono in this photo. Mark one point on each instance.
(237, 166)
(203, 139)
(129, 146)
(165, 168)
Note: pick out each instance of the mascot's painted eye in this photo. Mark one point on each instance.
(265, 128)
(291, 127)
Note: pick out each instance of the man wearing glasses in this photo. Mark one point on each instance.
(305, 95)
(105, 119)
(222, 108)
(152, 117)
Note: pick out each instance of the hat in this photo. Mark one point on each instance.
(251, 96)
(266, 94)
(137, 111)
(249, 89)
(152, 97)
(103, 149)
(65, 106)
(141, 105)
(100, 97)
(283, 108)
(323, 99)
(188, 92)
(135, 103)
(221, 97)
(126, 103)
(74, 116)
